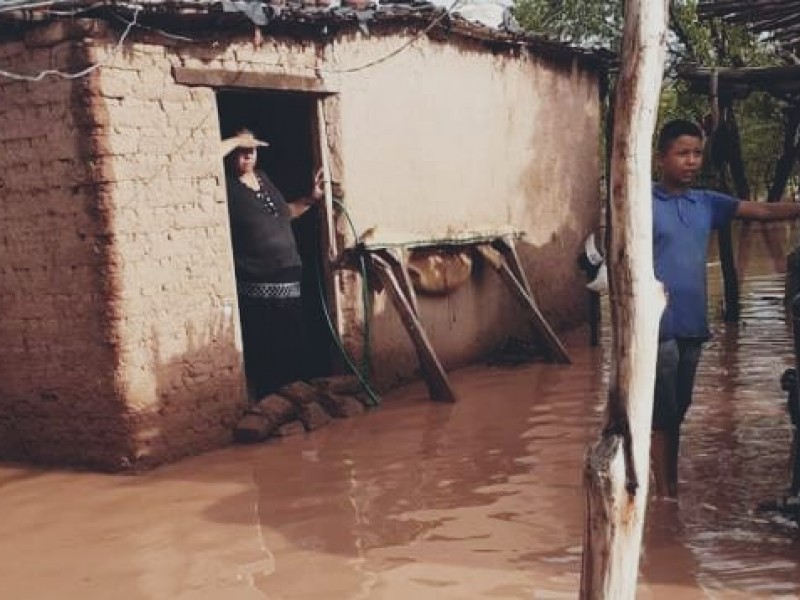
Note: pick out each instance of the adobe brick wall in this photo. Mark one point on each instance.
(179, 369)
(448, 137)
(118, 304)
(58, 397)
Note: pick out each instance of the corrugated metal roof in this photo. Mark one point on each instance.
(300, 18)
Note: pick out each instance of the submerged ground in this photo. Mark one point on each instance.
(416, 500)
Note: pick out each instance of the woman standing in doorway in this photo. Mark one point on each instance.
(268, 267)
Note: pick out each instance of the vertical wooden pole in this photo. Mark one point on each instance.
(617, 467)
(329, 243)
(791, 149)
(730, 274)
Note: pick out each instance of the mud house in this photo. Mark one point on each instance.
(118, 310)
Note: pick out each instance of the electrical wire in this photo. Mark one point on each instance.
(446, 12)
(133, 23)
(83, 72)
(166, 34)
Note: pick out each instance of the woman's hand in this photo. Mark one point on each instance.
(318, 191)
(301, 205)
(243, 139)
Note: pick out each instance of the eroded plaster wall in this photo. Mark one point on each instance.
(451, 138)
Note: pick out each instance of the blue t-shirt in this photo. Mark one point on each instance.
(682, 226)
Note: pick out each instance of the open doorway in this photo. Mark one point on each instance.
(288, 122)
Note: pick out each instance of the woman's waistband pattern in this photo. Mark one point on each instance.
(251, 289)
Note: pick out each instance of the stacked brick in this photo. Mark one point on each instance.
(302, 407)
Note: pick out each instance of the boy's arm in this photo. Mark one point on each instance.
(767, 211)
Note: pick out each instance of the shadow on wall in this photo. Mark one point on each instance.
(198, 398)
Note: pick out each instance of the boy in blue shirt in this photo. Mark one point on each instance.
(682, 222)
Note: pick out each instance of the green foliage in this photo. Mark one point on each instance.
(713, 43)
(581, 22)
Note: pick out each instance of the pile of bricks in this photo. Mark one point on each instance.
(300, 407)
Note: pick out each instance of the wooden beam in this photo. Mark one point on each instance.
(777, 17)
(740, 82)
(617, 467)
(435, 376)
(222, 78)
(521, 292)
(396, 258)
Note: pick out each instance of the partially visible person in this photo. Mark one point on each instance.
(683, 219)
(268, 268)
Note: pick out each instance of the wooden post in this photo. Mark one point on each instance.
(330, 251)
(617, 467)
(435, 376)
(521, 292)
(791, 149)
(595, 318)
(396, 258)
(730, 275)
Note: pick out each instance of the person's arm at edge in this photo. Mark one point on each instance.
(767, 211)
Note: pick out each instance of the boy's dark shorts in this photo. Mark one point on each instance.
(676, 367)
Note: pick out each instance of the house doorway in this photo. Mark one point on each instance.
(287, 120)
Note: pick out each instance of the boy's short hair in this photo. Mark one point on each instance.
(674, 129)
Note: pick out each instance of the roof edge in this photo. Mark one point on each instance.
(202, 17)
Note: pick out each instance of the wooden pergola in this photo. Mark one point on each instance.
(779, 22)
(780, 19)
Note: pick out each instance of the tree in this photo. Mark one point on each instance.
(581, 22)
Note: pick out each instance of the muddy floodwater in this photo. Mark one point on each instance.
(416, 500)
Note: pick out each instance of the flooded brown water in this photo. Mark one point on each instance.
(477, 500)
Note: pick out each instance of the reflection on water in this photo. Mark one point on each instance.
(735, 455)
(481, 499)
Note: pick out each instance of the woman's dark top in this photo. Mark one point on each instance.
(264, 248)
